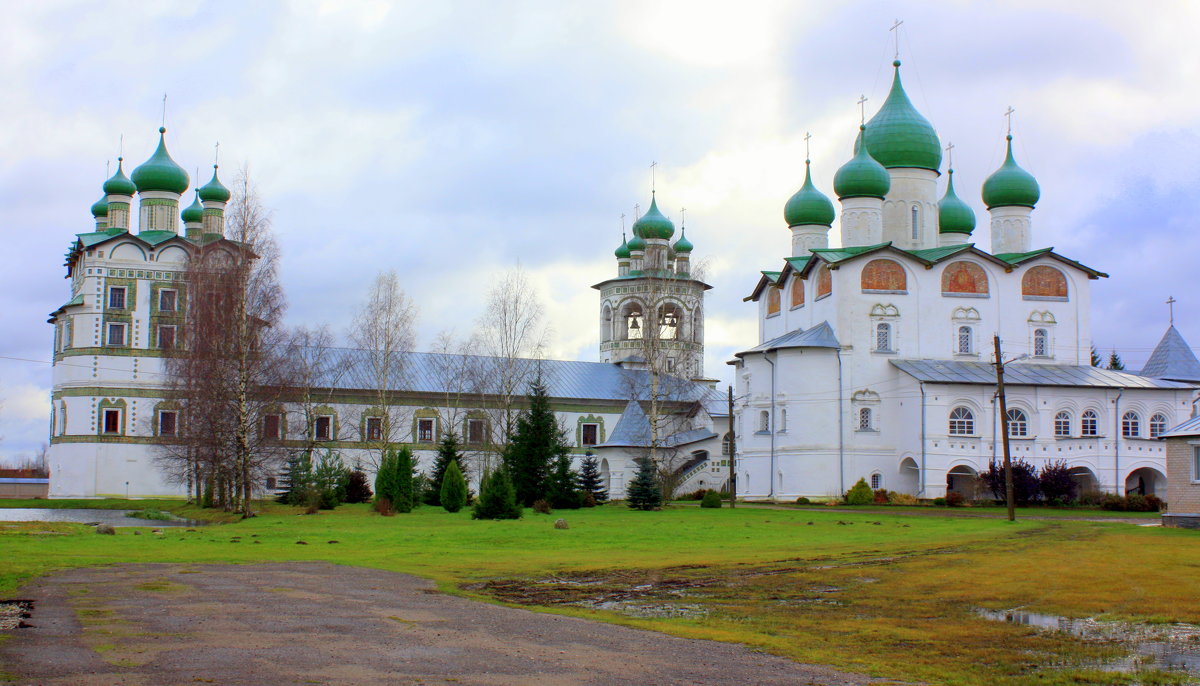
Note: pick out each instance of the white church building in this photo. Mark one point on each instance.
(874, 359)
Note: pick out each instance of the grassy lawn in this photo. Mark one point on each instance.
(978, 510)
(884, 594)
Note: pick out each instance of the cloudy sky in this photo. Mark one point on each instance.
(453, 140)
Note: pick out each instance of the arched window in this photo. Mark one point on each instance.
(876, 481)
(1062, 424)
(864, 419)
(962, 422)
(606, 332)
(916, 223)
(1041, 343)
(1042, 282)
(764, 421)
(634, 322)
(1018, 423)
(883, 337)
(1089, 424)
(797, 292)
(1158, 424)
(883, 275)
(824, 282)
(782, 421)
(773, 301)
(668, 322)
(965, 340)
(1131, 425)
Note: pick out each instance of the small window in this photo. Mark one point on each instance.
(965, 340)
(168, 422)
(764, 421)
(116, 334)
(425, 430)
(782, 421)
(166, 337)
(726, 444)
(1041, 343)
(876, 481)
(883, 337)
(916, 223)
(167, 300)
(1131, 425)
(374, 428)
(670, 365)
(475, 431)
(112, 421)
(1062, 424)
(1089, 424)
(864, 420)
(1018, 423)
(1196, 463)
(324, 428)
(1158, 425)
(272, 426)
(116, 298)
(962, 422)
(590, 434)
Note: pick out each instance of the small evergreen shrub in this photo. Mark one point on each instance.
(589, 500)
(541, 506)
(497, 499)
(643, 492)
(939, 502)
(955, 499)
(860, 494)
(453, 495)
(711, 499)
(591, 482)
(803, 501)
(357, 489)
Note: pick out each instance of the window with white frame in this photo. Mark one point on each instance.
(916, 223)
(425, 430)
(1062, 424)
(475, 431)
(1041, 343)
(764, 421)
(166, 337)
(116, 334)
(876, 481)
(864, 419)
(966, 342)
(1131, 425)
(589, 433)
(116, 297)
(726, 444)
(167, 300)
(1018, 423)
(1158, 424)
(374, 428)
(883, 337)
(168, 422)
(324, 428)
(1089, 424)
(962, 422)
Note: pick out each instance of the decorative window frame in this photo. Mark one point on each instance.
(1070, 419)
(1095, 418)
(475, 416)
(126, 333)
(167, 406)
(589, 419)
(112, 404)
(865, 399)
(973, 419)
(334, 430)
(274, 411)
(427, 413)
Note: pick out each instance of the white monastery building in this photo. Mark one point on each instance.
(874, 359)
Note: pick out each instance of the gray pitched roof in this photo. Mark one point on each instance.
(819, 336)
(1172, 359)
(1191, 427)
(633, 431)
(954, 372)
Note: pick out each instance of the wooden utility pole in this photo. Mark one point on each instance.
(732, 452)
(1008, 476)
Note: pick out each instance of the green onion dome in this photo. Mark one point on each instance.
(160, 173)
(215, 190)
(100, 208)
(119, 184)
(1010, 185)
(636, 244)
(899, 136)
(653, 224)
(863, 176)
(808, 205)
(683, 245)
(193, 213)
(622, 251)
(954, 215)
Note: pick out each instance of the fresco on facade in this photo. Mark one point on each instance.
(824, 281)
(797, 292)
(883, 275)
(1044, 282)
(773, 300)
(964, 277)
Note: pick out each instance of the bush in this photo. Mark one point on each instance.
(939, 502)
(542, 506)
(955, 499)
(860, 494)
(1026, 487)
(1090, 499)
(453, 495)
(695, 495)
(1155, 503)
(643, 492)
(1112, 502)
(1055, 482)
(357, 490)
(589, 500)
(1136, 502)
(881, 497)
(895, 498)
(711, 499)
(497, 499)
(803, 501)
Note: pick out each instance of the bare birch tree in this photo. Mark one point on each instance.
(315, 372)
(383, 333)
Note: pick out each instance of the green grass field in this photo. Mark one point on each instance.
(884, 594)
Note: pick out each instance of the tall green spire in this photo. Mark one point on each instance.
(863, 176)
(160, 172)
(1010, 185)
(899, 136)
(954, 215)
(808, 205)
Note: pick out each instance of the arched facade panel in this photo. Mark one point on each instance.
(884, 275)
(964, 278)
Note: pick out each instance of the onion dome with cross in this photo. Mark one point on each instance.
(160, 172)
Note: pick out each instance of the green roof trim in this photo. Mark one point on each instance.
(932, 255)
(797, 263)
(898, 136)
(773, 276)
(836, 255)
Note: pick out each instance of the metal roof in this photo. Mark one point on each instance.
(819, 336)
(1172, 359)
(1189, 428)
(954, 372)
(633, 431)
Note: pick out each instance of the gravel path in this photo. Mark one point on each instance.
(318, 623)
